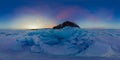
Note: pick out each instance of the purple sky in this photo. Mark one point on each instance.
(86, 13)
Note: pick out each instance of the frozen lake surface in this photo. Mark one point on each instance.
(60, 44)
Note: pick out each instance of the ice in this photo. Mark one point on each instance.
(66, 41)
(69, 41)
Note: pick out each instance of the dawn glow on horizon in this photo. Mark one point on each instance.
(46, 14)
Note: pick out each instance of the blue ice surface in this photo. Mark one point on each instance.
(47, 44)
(65, 41)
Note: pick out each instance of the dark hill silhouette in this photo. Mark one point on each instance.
(67, 23)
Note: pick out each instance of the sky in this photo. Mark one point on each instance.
(28, 14)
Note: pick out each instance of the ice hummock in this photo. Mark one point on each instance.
(77, 42)
(65, 41)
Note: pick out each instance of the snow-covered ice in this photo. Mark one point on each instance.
(69, 41)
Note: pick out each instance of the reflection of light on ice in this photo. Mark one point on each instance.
(110, 52)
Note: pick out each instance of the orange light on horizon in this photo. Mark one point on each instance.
(32, 22)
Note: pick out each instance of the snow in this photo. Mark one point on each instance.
(69, 42)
